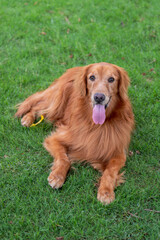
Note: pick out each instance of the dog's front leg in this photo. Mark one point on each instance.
(61, 164)
(110, 179)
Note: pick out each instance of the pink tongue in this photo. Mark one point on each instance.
(99, 114)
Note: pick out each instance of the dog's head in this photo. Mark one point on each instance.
(103, 83)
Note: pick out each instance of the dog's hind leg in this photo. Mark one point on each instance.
(50, 103)
(32, 107)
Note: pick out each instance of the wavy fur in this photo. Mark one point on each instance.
(68, 102)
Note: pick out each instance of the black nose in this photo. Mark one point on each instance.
(99, 97)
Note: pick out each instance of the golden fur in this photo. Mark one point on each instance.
(69, 103)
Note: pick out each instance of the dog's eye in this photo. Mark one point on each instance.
(92, 78)
(111, 79)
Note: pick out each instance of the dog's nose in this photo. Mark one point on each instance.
(99, 97)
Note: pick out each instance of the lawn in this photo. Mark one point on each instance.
(39, 40)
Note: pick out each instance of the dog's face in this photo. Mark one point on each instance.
(103, 83)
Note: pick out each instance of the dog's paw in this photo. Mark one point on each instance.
(27, 120)
(55, 180)
(106, 197)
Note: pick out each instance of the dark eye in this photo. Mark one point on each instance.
(92, 78)
(111, 79)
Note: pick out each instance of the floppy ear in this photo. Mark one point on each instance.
(124, 82)
(81, 81)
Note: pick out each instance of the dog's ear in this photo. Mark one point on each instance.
(81, 81)
(124, 82)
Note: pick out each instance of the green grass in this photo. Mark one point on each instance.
(38, 42)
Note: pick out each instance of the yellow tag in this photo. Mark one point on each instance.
(34, 124)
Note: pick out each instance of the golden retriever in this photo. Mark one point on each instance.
(94, 119)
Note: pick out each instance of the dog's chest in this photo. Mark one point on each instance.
(92, 145)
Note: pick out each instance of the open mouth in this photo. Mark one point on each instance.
(106, 105)
(99, 113)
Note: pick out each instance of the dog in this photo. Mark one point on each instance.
(90, 107)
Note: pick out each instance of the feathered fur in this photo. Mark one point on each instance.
(69, 103)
